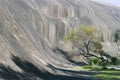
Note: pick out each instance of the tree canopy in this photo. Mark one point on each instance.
(85, 40)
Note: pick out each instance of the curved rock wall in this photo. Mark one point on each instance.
(31, 29)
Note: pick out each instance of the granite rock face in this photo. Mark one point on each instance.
(32, 29)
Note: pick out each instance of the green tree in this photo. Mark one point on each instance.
(85, 40)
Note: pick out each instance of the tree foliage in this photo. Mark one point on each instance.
(85, 40)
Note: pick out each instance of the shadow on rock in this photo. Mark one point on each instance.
(68, 57)
(31, 72)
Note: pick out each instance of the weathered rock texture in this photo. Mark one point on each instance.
(32, 29)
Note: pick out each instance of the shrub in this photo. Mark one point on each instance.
(90, 61)
(97, 61)
(94, 61)
(118, 62)
(114, 60)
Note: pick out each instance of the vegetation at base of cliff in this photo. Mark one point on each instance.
(104, 73)
(87, 41)
(107, 62)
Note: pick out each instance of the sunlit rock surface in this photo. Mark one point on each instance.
(33, 29)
